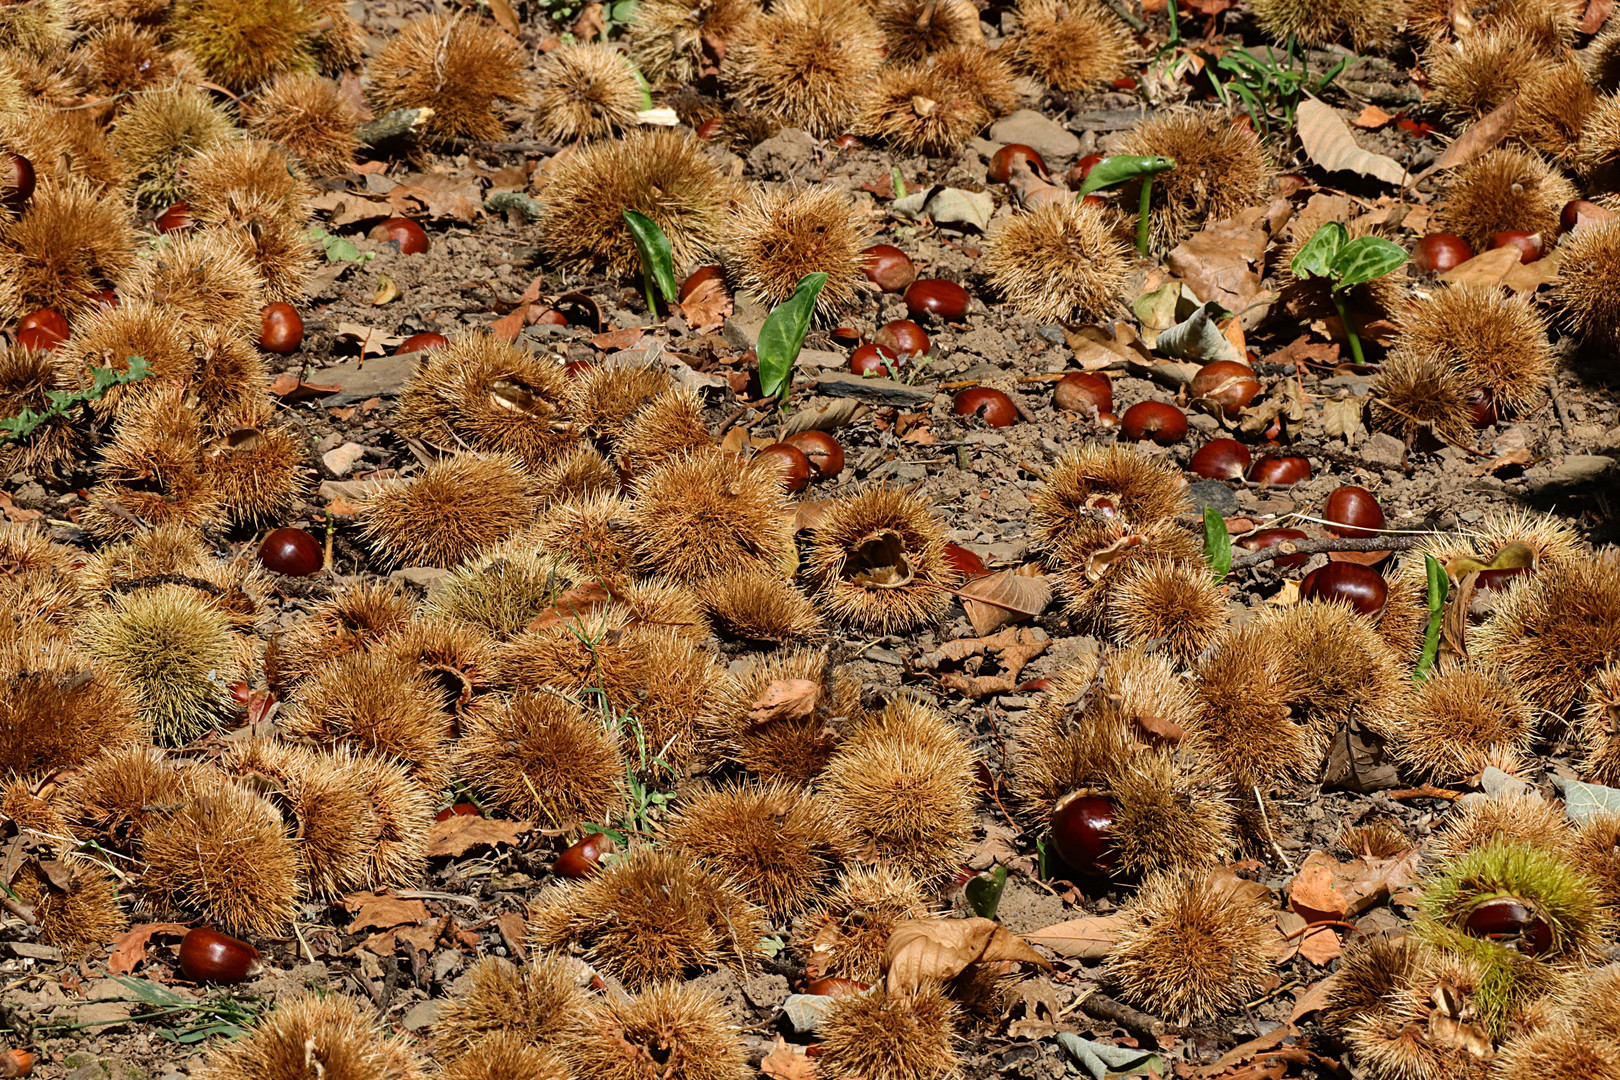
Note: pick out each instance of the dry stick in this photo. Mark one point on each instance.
(1265, 820)
(1102, 1007)
(1315, 547)
(1557, 402)
(1427, 791)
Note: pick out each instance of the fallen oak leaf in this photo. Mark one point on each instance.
(1481, 135)
(1372, 117)
(129, 948)
(460, 833)
(618, 340)
(937, 950)
(1005, 597)
(382, 911)
(1091, 938)
(291, 389)
(785, 699)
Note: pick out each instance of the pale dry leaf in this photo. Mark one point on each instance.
(1314, 999)
(785, 699)
(707, 306)
(1101, 561)
(1372, 117)
(837, 413)
(936, 950)
(506, 17)
(1329, 142)
(369, 340)
(1342, 417)
(1520, 457)
(129, 948)
(1091, 938)
(1005, 597)
(1483, 134)
(787, 1063)
(1488, 268)
(460, 833)
(1320, 945)
(382, 911)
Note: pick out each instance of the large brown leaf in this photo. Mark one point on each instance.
(934, 950)
(1090, 938)
(129, 948)
(1005, 597)
(1483, 134)
(1330, 143)
(460, 833)
(785, 699)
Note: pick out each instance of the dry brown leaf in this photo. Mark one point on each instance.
(591, 24)
(1328, 141)
(369, 340)
(460, 833)
(382, 911)
(1373, 117)
(707, 305)
(807, 513)
(1483, 134)
(502, 10)
(129, 948)
(785, 699)
(1530, 276)
(1099, 562)
(1520, 457)
(1320, 945)
(1222, 263)
(837, 413)
(1454, 619)
(1596, 14)
(457, 204)
(1488, 268)
(1089, 938)
(1005, 597)
(291, 389)
(1315, 998)
(576, 603)
(935, 950)
(1325, 889)
(787, 1063)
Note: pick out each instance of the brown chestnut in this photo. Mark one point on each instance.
(17, 182)
(460, 809)
(935, 296)
(1083, 833)
(697, 277)
(834, 987)
(846, 141)
(406, 234)
(1512, 922)
(964, 562)
(422, 343)
(104, 298)
(292, 552)
(1481, 409)
(791, 461)
(1226, 383)
(175, 219)
(1006, 159)
(1220, 459)
(1265, 538)
(51, 326)
(281, 328)
(826, 453)
(869, 360)
(584, 858)
(1080, 170)
(1355, 513)
(1280, 471)
(988, 404)
(1531, 246)
(1579, 212)
(1439, 253)
(847, 336)
(1084, 392)
(1362, 587)
(889, 268)
(208, 956)
(902, 337)
(1159, 421)
(709, 128)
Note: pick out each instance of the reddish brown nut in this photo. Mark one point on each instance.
(1080, 170)
(292, 552)
(1580, 212)
(402, 231)
(176, 219)
(826, 453)
(1501, 579)
(1228, 384)
(16, 1063)
(869, 360)
(1481, 409)
(1439, 253)
(698, 277)
(1159, 421)
(460, 809)
(889, 268)
(1362, 587)
(551, 317)
(964, 562)
(935, 296)
(791, 462)
(1531, 246)
(1084, 392)
(422, 343)
(1355, 513)
(847, 336)
(17, 182)
(104, 298)
(49, 323)
(1512, 922)
(584, 858)
(847, 141)
(1083, 833)
(709, 128)
(1220, 459)
(281, 328)
(988, 404)
(833, 987)
(208, 956)
(1008, 158)
(902, 337)
(1280, 471)
(1270, 537)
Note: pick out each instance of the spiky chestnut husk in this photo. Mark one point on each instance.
(404, 809)
(1430, 1027)
(317, 1034)
(847, 935)
(375, 702)
(699, 514)
(891, 1036)
(667, 43)
(68, 143)
(1142, 490)
(808, 63)
(1414, 392)
(1072, 47)
(539, 757)
(274, 242)
(587, 533)
(26, 377)
(1506, 189)
(110, 336)
(878, 561)
(1246, 690)
(124, 58)
(1597, 155)
(175, 650)
(507, 1057)
(37, 29)
(78, 918)
(915, 29)
(1591, 261)
(1171, 813)
(577, 473)
(307, 115)
(56, 710)
(1556, 102)
(1367, 24)
(681, 1027)
(481, 392)
(1552, 541)
(681, 682)
(449, 512)
(1060, 262)
(775, 841)
(758, 606)
(1566, 899)
(1513, 819)
(458, 660)
(1594, 850)
(174, 555)
(789, 749)
(664, 605)
(243, 45)
(30, 813)
(1088, 568)
(1220, 169)
(1372, 970)
(255, 468)
(39, 85)
(151, 473)
(113, 797)
(903, 783)
(1178, 603)
(1553, 630)
(537, 1003)
(1597, 727)
(209, 278)
(1341, 668)
(159, 131)
(1602, 59)
(584, 92)
(68, 244)
(984, 73)
(1550, 23)
(225, 854)
(354, 618)
(774, 238)
(666, 175)
(1498, 345)
(668, 426)
(1559, 1050)
(230, 377)
(339, 41)
(917, 110)
(1463, 719)
(1474, 75)
(648, 916)
(466, 71)
(503, 592)
(603, 399)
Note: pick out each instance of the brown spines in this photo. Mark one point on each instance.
(1496, 344)
(1555, 103)
(354, 618)
(403, 809)
(1367, 24)
(878, 562)
(1514, 819)
(649, 916)
(325, 1034)
(903, 784)
(1071, 738)
(984, 73)
(1591, 261)
(847, 935)
(481, 392)
(36, 29)
(507, 1057)
(667, 43)
(578, 473)
(603, 399)
(1594, 850)
(584, 92)
(112, 797)
(1340, 667)
(1505, 189)
(1220, 169)
(1170, 813)
(758, 606)
(587, 532)
(887, 1035)
(225, 854)
(254, 468)
(1142, 490)
(681, 1027)
(449, 512)
(1176, 603)
(918, 110)
(68, 244)
(78, 914)
(247, 43)
(1475, 74)
(124, 58)
(775, 238)
(229, 376)
(1074, 47)
(789, 747)
(669, 425)
(667, 175)
(502, 592)
(1462, 720)
(274, 243)
(246, 169)
(1088, 567)
(808, 64)
(1597, 154)
(57, 710)
(458, 660)
(1060, 262)
(1597, 727)
(159, 131)
(26, 377)
(537, 1004)
(151, 473)
(663, 605)
(1414, 392)
(208, 277)
(915, 29)
(1557, 1050)
(540, 757)
(1372, 970)
(1430, 1027)
(466, 71)
(307, 115)
(774, 841)
(1553, 630)
(110, 336)
(339, 41)
(1246, 725)
(707, 512)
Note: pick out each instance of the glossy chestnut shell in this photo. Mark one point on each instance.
(583, 858)
(1006, 159)
(292, 552)
(902, 337)
(1362, 587)
(1512, 922)
(826, 453)
(410, 237)
(872, 360)
(1280, 471)
(1220, 459)
(206, 955)
(1531, 245)
(887, 267)
(937, 297)
(1265, 538)
(17, 182)
(1226, 383)
(988, 404)
(48, 321)
(1354, 511)
(1084, 392)
(422, 343)
(1158, 421)
(175, 219)
(1439, 253)
(281, 328)
(791, 462)
(1083, 833)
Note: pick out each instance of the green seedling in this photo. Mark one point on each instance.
(1120, 169)
(657, 260)
(1344, 263)
(782, 336)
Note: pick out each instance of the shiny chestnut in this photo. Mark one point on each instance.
(902, 337)
(709, 128)
(208, 956)
(1227, 384)
(402, 231)
(1531, 245)
(1355, 513)
(17, 182)
(697, 278)
(791, 462)
(1481, 409)
(1280, 471)
(1265, 538)
(175, 219)
(1512, 922)
(935, 296)
(292, 552)
(1362, 587)
(826, 453)
(421, 343)
(1084, 392)
(834, 987)
(584, 858)
(1080, 170)
(460, 809)
(988, 404)
(870, 360)
(49, 328)
(1439, 253)
(1220, 459)
(1083, 833)
(281, 328)
(889, 268)
(1009, 157)
(1158, 421)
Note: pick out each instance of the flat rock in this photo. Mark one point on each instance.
(1580, 468)
(421, 1015)
(1383, 450)
(784, 154)
(380, 376)
(1034, 130)
(875, 391)
(424, 577)
(105, 1015)
(1212, 494)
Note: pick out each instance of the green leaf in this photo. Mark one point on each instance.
(783, 335)
(984, 891)
(1439, 585)
(897, 182)
(1217, 544)
(1316, 258)
(1365, 259)
(641, 81)
(657, 259)
(1116, 170)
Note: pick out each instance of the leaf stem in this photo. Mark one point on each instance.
(1144, 215)
(1349, 322)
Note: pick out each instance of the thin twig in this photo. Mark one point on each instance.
(1316, 547)
(1126, 17)
(1138, 1023)
(1427, 791)
(1557, 402)
(1272, 837)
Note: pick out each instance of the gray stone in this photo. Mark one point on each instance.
(446, 964)
(742, 333)
(1034, 130)
(424, 577)
(1384, 450)
(1580, 468)
(380, 376)
(806, 1012)
(421, 1015)
(820, 358)
(873, 391)
(1213, 494)
(1110, 119)
(105, 1015)
(784, 154)
(1356, 384)
(1054, 334)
